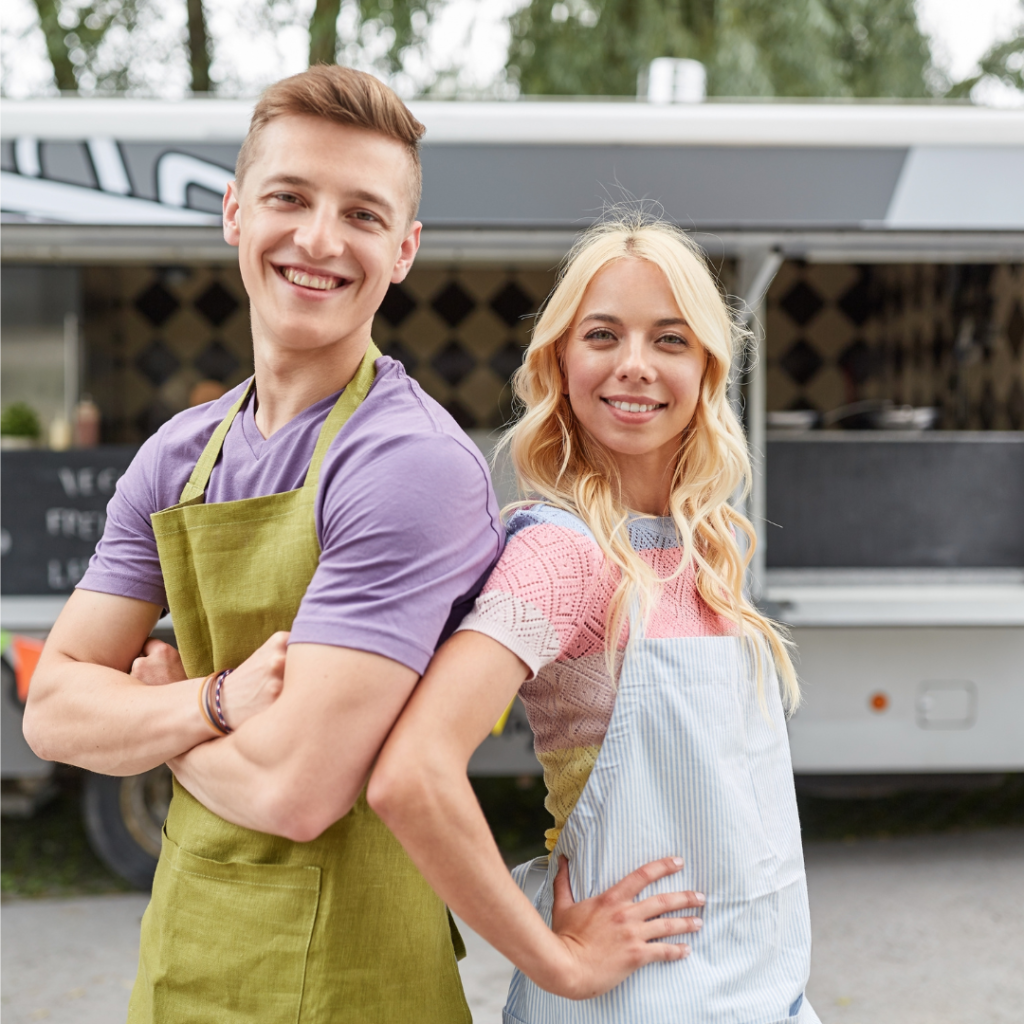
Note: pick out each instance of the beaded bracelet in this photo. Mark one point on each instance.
(218, 686)
(204, 704)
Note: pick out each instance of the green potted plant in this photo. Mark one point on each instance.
(19, 426)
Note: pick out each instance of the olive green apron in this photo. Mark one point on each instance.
(245, 927)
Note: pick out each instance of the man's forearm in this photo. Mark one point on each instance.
(297, 767)
(258, 779)
(224, 780)
(106, 721)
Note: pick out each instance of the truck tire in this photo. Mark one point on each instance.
(123, 820)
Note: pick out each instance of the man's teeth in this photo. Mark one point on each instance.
(324, 284)
(631, 406)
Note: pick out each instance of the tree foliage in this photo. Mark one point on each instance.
(74, 34)
(853, 48)
(382, 30)
(1004, 63)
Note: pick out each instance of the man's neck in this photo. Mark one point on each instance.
(289, 380)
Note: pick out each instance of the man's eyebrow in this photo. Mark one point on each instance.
(287, 179)
(373, 197)
(362, 195)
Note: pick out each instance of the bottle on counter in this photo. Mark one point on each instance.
(86, 426)
(58, 437)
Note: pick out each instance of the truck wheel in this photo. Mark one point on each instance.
(124, 818)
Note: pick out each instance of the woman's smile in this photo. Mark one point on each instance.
(634, 410)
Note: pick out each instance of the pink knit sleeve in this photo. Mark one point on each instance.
(537, 598)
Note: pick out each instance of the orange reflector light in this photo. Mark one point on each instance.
(26, 656)
(879, 701)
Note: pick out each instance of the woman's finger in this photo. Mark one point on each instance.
(663, 952)
(633, 884)
(563, 887)
(663, 927)
(666, 902)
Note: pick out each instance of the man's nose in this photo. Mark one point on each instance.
(320, 234)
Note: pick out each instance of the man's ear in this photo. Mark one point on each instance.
(407, 253)
(230, 214)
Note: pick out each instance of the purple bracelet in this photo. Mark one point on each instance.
(216, 699)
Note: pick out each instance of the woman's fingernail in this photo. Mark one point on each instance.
(678, 861)
(698, 923)
(685, 949)
(700, 897)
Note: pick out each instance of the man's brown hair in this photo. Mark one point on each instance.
(344, 96)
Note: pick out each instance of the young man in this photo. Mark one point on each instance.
(363, 525)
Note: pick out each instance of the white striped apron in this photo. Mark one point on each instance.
(694, 765)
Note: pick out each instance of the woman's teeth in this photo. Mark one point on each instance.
(324, 284)
(631, 406)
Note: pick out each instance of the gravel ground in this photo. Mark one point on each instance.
(906, 931)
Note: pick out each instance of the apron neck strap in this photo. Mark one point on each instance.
(200, 477)
(351, 398)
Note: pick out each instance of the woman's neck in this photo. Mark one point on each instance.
(646, 482)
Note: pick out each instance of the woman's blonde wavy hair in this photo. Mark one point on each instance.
(559, 462)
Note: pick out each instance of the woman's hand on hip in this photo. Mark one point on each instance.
(610, 936)
(256, 683)
(158, 664)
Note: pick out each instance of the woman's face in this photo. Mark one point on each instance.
(632, 366)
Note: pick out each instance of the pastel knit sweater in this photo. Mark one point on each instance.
(547, 602)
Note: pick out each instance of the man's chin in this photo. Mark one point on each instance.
(311, 334)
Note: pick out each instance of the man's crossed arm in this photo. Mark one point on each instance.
(292, 769)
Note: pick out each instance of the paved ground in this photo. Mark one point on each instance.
(910, 931)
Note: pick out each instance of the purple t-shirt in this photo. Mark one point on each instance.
(406, 516)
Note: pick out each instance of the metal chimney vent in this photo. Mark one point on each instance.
(672, 80)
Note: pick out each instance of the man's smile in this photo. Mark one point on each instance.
(320, 282)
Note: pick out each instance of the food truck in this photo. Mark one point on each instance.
(874, 252)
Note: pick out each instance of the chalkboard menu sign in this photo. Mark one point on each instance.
(892, 501)
(53, 513)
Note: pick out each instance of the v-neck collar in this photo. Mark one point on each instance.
(260, 445)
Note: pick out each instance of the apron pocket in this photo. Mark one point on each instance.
(225, 941)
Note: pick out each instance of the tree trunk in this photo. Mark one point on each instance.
(56, 47)
(198, 46)
(323, 32)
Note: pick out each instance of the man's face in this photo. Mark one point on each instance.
(322, 223)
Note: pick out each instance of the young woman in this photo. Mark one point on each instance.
(652, 684)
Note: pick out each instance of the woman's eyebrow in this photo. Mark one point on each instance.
(669, 321)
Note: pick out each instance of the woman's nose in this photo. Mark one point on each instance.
(634, 361)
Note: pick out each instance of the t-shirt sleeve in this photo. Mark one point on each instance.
(407, 537)
(540, 596)
(125, 562)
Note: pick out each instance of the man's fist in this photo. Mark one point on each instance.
(158, 664)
